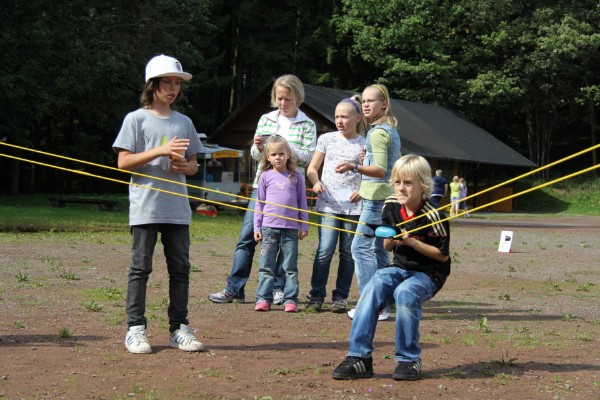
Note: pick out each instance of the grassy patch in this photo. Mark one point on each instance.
(579, 195)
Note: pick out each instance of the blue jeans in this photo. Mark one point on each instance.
(176, 243)
(368, 252)
(243, 255)
(328, 239)
(409, 289)
(278, 243)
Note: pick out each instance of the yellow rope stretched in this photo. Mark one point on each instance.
(293, 208)
(505, 183)
(161, 190)
(169, 181)
(503, 199)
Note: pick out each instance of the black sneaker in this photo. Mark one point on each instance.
(354, 368)
(314, 304)
(407, 371)
(339, 306)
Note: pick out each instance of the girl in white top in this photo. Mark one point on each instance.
(339, 201)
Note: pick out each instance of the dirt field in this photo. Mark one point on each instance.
(519, 325)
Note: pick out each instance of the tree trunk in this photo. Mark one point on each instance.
(14, 177)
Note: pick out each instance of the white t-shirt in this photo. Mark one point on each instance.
(338, 187)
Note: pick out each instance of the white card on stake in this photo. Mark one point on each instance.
(505, 241)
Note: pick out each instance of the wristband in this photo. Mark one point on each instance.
(355, 167)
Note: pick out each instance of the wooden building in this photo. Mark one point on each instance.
(446, 139)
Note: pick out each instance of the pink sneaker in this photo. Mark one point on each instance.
(262, 305)
(291, 307)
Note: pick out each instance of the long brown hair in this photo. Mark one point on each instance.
(147, 96)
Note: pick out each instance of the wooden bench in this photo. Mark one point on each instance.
(103, 204)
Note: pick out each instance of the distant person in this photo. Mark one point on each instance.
(215, 163)
(279, 183)
(152, 212)
(382, 150)
(463, 194)
(454, 196)
(339, 202)
(418, 271)
(439, 190)
(300, 131)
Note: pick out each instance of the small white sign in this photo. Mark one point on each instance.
(506, 238)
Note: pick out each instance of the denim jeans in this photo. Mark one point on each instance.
(409, 289)
(176, 243)
(243, 255)
(278, 243)
(368, 252)
(328, 239)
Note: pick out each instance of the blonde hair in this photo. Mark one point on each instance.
(416, 168)
(150, 87)
(355, 101)
(292, 83)
(387, 116)
(278, 140)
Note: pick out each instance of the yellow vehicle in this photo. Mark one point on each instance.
(218, 169)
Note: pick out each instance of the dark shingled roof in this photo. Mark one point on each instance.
(431, 131)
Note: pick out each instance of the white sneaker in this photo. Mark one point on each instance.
(184, 339)
(383, 315)
(136, 340)
(278, 297)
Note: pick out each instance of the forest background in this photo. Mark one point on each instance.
(526, 71)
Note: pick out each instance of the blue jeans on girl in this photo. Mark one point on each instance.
(276, 243)
(328, 240)
(243, 255)
(367, 249)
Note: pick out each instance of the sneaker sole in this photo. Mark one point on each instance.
(178, 346)
(138, 352)
(348, 377)
(405, 378)
(233, 300)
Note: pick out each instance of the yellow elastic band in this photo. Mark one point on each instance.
(382, 91)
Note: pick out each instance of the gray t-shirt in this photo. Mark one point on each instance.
(142, 131)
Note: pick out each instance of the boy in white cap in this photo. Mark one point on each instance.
(157, 140)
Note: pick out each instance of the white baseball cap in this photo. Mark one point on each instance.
(165, 66)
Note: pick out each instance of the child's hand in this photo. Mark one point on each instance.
(302, 234)
(354, 197)
(257, 236)
(344, 167)
(179, 165)
(174, 148)
(318, 187)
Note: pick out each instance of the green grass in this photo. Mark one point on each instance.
(579, 196)
(33, 212)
